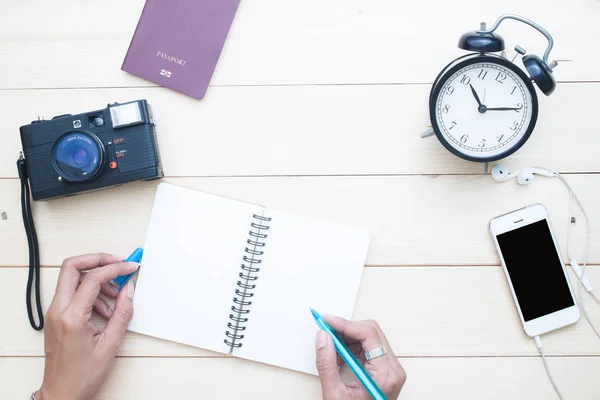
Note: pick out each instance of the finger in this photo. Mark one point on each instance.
(356, 349)
(366, 333)
(348, 340)
(113, 334)
(102, 308)
(379, 367)
(108, 289)
(389, 353)
(361, 332)
(327, 366)
(89, 289)
(68, 279)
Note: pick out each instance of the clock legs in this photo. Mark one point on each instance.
(429, 132)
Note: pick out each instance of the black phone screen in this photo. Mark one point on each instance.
(535, 270)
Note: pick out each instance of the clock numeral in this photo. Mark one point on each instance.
(519, 107)
(446, 108)
(514, 126)
(482, 143)
(464, 138)
(499, 138)
(453, 125)
(450, 90)
(501, 77)
(465, 80)
(515, 88)
(482, 74)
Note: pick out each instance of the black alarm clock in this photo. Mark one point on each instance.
(484, 107)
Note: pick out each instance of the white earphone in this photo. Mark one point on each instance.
(524, 176)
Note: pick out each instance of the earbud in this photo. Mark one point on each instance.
(501, 174)
(524, 176)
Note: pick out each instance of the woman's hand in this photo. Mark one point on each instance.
(337, 380)
(78, 355)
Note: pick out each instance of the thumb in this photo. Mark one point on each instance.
(119, 321)
(327, 365)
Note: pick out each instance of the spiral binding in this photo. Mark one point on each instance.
(245, 286)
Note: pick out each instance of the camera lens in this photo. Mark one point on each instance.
(78, 156)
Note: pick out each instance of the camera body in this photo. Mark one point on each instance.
(70, 154)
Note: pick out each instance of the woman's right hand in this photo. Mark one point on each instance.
(337, 380)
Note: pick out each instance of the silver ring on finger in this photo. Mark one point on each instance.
(378, 352)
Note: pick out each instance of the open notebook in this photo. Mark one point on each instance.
(239, 278)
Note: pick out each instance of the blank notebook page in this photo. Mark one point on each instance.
(191, 263)
(307, 263)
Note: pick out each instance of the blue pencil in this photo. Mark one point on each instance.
(362, 375)
(136, 256)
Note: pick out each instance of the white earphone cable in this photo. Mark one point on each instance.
(586, 252)
(538, 343)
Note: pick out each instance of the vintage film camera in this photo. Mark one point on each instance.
(70, 154)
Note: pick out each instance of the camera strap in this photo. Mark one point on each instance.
(33, 279)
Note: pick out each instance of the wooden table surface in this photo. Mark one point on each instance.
(316, 107)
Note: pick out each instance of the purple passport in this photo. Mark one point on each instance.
(177, 43)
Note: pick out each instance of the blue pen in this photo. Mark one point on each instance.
(136, 256)
(350, 360)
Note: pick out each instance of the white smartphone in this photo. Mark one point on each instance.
(533, 266)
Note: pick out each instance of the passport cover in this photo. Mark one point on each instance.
(177, 43)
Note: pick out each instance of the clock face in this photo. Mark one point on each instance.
(485, 108)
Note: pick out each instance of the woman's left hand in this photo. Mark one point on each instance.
(79, 355)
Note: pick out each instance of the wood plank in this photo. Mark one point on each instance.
(425, 311)
(82, 44)
(415, 220)
(320, 130)
(458, 378)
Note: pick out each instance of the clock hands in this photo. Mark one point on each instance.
(503, 108)
(482, 108)
(475, 95)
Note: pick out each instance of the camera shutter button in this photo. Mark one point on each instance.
(60, 116)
